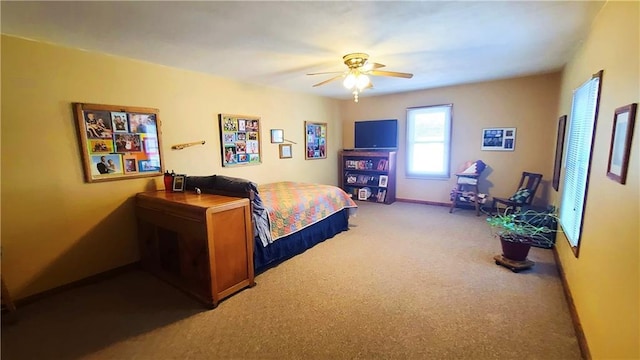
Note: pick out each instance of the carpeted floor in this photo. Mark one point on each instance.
(407, 281)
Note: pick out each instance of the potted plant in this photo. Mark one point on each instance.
(518, 231)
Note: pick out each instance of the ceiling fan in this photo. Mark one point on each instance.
(356, 78)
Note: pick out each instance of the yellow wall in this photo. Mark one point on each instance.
(529, 104)
(604, 279)
(57, 229)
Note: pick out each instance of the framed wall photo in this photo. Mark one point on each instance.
(557, 165)
(499, 139)
(112, 138)
(621, 136)
(240, 140)
(285, 151)
(277, 136)
(315, 140)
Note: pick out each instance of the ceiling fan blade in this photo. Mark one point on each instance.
(368, 66)
(326, 73)
(391, 73)
(326, 81)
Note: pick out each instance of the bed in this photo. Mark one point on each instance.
(288, 217)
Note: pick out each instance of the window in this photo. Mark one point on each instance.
(584, 112)
(428, 141)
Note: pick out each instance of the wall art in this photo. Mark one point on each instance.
(112, 141)
(621, 136)
(315, 140)
(499, 139)
(240, 140)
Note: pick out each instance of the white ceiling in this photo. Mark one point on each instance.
(276, 43)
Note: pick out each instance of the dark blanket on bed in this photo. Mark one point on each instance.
(236, 187)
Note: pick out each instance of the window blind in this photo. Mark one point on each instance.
(584, 111)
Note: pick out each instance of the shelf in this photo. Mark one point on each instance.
(368, 169)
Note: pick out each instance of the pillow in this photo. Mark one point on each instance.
(202, 182)
(233, 184)
(475, 167)
(520, 196)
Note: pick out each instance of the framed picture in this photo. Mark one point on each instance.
(148, 166)
(240, 140)
(383, 180)
(111, 139)
(623, 121)
(557, 165)
(178, 183)
(499, 139)
(119, 122)
(285, 151)
(97, 146)
(315, 140)
(130, 164)
(363, 194)
(277, 136)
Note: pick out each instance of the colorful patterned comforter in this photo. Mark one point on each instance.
(292, 206)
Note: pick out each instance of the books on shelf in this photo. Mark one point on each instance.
(361, 179)
(383, 165)
(359, 164)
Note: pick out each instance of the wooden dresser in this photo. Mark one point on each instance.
(202, 244)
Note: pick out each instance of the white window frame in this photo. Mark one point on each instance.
(412, 114)
(579, 150)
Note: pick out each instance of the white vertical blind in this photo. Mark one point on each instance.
(581, 129)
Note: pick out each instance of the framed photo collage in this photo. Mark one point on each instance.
(118, 142)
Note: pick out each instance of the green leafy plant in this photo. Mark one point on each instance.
(527, 227)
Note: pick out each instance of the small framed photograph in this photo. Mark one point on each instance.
(277, 136)
(130, 164)
(126, 143)
(623, 121)
(499, 139)
(178, 183)
(285, 151)
(97, 146)
(119, 122)
(382, 182)
(106, 165)
(362, 194)
(149, 166)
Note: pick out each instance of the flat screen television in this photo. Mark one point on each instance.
(376, 134)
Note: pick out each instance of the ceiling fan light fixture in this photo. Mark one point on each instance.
(356, 78)
(362, 81)
(350, 81)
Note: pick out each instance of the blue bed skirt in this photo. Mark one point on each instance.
(296, 243)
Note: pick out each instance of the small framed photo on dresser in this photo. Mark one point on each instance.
(178, 183)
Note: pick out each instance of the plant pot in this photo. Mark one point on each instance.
(514, 250)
